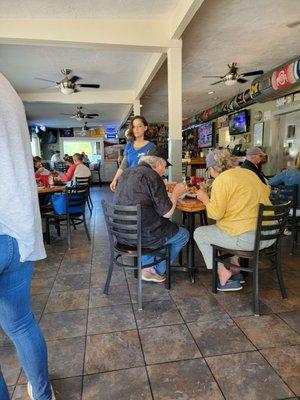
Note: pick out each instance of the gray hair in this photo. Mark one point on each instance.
(151, 160)
(223, 160)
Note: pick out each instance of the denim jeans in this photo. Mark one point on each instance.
(177, 242)
(18, 321)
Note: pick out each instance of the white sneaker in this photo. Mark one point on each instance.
(29, 391)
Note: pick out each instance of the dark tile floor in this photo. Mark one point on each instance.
(186, 344)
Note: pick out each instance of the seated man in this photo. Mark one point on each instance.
(234, 202)
(254, 157)
(143, 185)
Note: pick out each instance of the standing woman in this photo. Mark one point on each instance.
(136, 147)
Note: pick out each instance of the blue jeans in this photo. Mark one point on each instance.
(177, 242)
(18, 321)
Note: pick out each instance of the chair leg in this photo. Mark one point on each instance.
(180, 257)
(109, 274)
(255, 288)
(279, 275)
(138, 265)
(86, 228)
(168, 270)
(73, 223)
(215, 271)
(90, 199)
(47, 230)
(69, 232)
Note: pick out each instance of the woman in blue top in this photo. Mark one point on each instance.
(289, 177)
(136, 147)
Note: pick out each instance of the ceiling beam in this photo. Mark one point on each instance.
(129, 35)
(150, 71)
(182, 16)
(102, 97)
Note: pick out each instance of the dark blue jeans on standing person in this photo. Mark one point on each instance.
(18, 321)
(176, 242)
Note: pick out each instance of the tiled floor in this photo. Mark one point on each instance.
(186, 344)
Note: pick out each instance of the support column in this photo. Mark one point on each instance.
(137, 107)
(175, 112)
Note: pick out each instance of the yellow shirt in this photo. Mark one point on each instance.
(235, 199)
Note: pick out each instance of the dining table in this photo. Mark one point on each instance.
(189, 208)
(50, 189)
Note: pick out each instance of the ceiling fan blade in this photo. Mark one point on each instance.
(74, 78)
(242, 80)
(92, 115)
(215, 83)
(46, 80)
(89, 85)
(212, 76)
(259, 72)
(87, 117)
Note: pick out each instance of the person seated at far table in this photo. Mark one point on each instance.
(39, 170)
(78, 169)
(289, 177)
(143, 184)
(254, 157)
(235, 197)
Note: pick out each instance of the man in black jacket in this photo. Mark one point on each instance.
(254, 157)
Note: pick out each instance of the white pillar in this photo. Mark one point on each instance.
(175, 112)
(137, 107)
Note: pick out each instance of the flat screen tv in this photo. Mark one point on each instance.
(49, 137)
(205, 135)
(238, 123)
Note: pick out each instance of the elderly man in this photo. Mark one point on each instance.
(254, 157)
(143, 185)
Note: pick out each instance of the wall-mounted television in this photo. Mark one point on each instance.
(206, 135)
(49, 137)
(238, 122)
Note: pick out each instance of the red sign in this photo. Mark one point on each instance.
(283, 77)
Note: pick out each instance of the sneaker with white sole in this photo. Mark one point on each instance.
(152, 277)
(230, 286)
(29, 391)
(238, 277)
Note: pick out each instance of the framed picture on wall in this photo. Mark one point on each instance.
(258, 132)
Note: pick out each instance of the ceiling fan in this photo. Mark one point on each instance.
(232, 76)
(80, 115)
(69, 85)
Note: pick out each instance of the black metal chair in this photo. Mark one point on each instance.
(280, 194)
(97, 170)
(271, 223)
(85, 183)
(60, 167)
(124, 222)
(76, 198)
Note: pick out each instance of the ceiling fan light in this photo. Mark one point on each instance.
(66, 90)
(230, 82)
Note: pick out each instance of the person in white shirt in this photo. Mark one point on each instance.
(81, 170)
(21, 244)
(55, 158)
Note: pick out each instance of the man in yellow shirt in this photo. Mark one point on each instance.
(235, 198)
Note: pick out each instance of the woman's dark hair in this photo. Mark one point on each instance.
(69, 159)
(130, 135)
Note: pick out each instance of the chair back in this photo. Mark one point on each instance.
(271, 223)
(76, 199)
(60, 167)
(83, 182)
(123, 223)
(281, 194)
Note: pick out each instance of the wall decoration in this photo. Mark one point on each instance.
(66, 132)
(258, 130)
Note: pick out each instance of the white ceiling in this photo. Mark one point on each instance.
(114, 9)
(254, 34)
(49, 114)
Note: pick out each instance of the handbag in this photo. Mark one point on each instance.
(59, 202)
